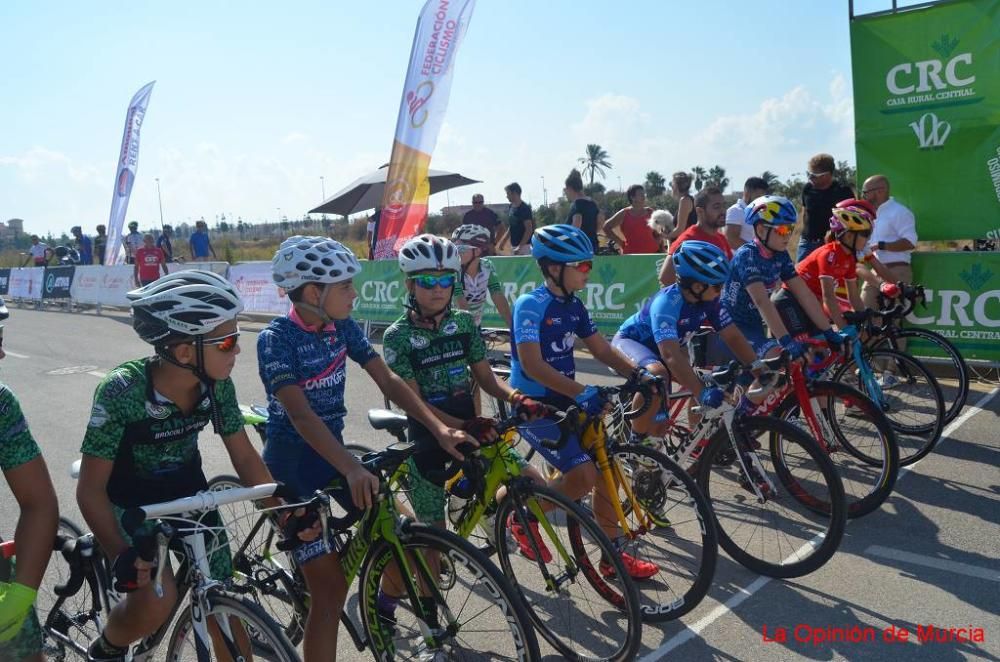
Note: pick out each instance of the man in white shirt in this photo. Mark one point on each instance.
(893, 238)
(38, 253)
(737, 231)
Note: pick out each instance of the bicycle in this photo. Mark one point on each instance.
(428, 625)
(82, 602)
(551, 583)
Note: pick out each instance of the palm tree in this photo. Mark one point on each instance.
(699, 177)
(595, 161)
(771, 179)
(717, 177)
(655, 184)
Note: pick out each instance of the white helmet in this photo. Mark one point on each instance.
(302, 260)
(471, 235)
(183, 304)
(428, 252)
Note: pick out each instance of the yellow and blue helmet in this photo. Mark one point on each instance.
(771, 210)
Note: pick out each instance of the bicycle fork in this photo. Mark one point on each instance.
(753, 467)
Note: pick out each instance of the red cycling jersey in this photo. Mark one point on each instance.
(831, 261)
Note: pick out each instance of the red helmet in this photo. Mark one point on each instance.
(853, 202)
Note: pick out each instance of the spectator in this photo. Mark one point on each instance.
(133, 242)
(710, 206)
(200, 244)
(100, 243)
(85, 247)
(680, 188)
(38, 253)
(583, 212)
(636, 234)
(149, 262)
(893, 239)
(372, 231)
(819, 196)
(163, 243)
(737, 231)
(520, 223)
(485, 217)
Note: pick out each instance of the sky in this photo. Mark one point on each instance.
(260, 107)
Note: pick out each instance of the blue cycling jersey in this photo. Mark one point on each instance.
(753, 264)
(290, 353)
(667, 316)
(554, 323)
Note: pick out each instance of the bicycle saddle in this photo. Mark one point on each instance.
(383, 419)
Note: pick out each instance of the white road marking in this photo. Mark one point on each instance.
(932, 562)
(16, 355)
(100, 374)
(745, 593)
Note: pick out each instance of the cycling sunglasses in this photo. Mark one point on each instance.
(781, 230)
(430, 282)
(225, 343)
(583, 266)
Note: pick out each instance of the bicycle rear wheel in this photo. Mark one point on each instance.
(775, 534)
(856, 436)
(475, 614)
(68, 623)
(578, 594)
(675, 530)
(914, 406)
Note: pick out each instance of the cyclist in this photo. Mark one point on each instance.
(141, 444)
(822, 270)
(479, 276)
(547, 322)
(438, 350)
(302, 362)
(755, 272)
(654, 337)
(24, 469)
(132, 241)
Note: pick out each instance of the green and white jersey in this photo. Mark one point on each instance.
(17, 446)
(476, 288)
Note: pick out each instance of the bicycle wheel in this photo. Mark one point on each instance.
(675, 530)
(243, 625)
(775, 534)
(914, 406)
(475, 614)
(580, 598)
(68, 623)
(955, 396)
(856, 436)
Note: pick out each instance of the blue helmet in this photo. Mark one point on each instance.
(561, 243)
(701, 261)
(770, 209)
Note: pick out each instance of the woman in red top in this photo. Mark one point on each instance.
(834, 262)
(634, 235)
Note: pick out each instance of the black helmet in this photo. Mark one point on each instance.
(133, 225)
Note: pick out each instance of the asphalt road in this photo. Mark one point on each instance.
(929, 557)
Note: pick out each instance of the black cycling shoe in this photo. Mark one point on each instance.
(100, 650)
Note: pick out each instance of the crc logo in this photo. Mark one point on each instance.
(902, 79)
(931, 131)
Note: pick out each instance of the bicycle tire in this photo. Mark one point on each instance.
(689, 538)
(267, 640)
(72, 617)
(804, 523)
(868, 467)
(954, 401)
(560, 621)
(915, 438)
(493, 586)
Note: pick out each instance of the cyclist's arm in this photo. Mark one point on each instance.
(611, 226)
(758, 294)
(809, 303)
(529, 229)
(829, 287)
(92, 497)
(247, 462)
(529, 354)
(681, 371)
(854, 295)
(489, 382)
(36, 526)
(503, 307)
(312, 428)
(602, 350)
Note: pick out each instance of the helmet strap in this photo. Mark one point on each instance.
(320, 310)
(163, 352)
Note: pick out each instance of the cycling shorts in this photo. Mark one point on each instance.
(792, 315)
(758, 339)
(565, 458)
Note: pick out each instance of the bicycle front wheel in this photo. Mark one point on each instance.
(572, 577)
(759, 490)
(244, 630)
(468, 612)
(672, 527)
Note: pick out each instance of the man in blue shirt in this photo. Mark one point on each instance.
(200, 244)
(84, 246)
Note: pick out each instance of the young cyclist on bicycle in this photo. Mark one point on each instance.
(141, 445)
(547, 322)
(24, 469)
(438, 350)
(302, 361)
(755, 272)
(479, 276)
(654, 337)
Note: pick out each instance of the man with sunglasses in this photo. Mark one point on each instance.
(819, 196)
(710, 207)
(757, 269)
(485, 218)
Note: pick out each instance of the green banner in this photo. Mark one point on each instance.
(963, 301)
(617, 287)
(927, 113)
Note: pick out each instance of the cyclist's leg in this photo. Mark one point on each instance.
(648, 358)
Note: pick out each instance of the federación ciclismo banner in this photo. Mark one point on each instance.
(440, 28)
(128, 162)
(927, 112)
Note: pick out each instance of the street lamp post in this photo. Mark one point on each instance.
(322, 184)
(620, 189)
(545, 193)
(159, 199)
